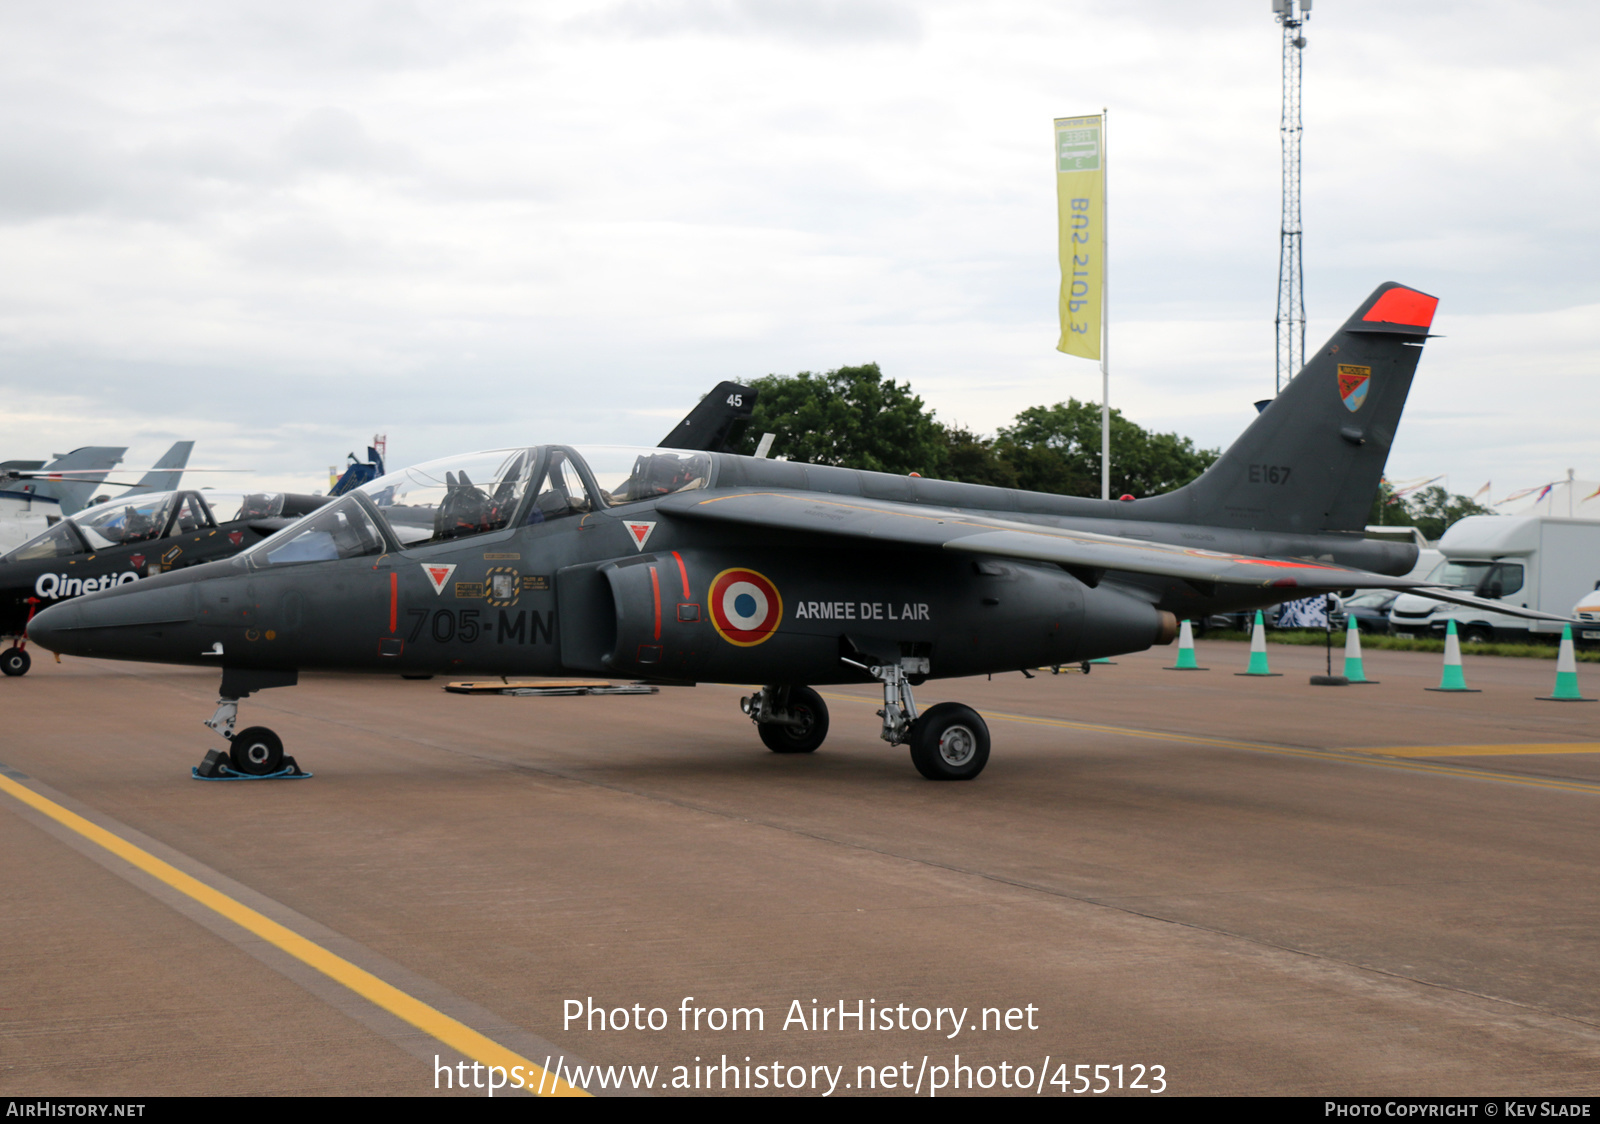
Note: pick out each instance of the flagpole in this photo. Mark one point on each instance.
(1105, 315)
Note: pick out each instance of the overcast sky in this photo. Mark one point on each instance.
(279, 228)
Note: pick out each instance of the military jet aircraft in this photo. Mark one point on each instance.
(134, 536)
(123, 542)
(34, 496)
(683, 566)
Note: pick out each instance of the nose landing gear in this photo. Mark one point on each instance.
(254, 753)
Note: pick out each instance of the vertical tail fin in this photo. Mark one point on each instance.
(1312, 459)
(168, 470)
(72, 493)
(716, 422)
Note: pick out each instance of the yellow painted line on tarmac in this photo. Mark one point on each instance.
(1380, 758)
(456, 1035)
(1482, 750)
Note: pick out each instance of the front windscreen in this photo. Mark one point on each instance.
(627, 475)
(59, 541)
(455, 497)
(344, 530)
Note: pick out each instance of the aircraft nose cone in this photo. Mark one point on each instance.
(117, 623)
(46, 628)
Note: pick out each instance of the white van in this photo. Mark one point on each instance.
(1531, 561)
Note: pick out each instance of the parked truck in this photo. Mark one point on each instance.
(1531, 561)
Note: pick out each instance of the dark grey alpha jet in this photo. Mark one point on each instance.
(684, 566)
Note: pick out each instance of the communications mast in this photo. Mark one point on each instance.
(1291, 319)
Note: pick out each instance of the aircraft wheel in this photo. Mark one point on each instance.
(950, 743)
(257, 751)
(15, 662)
(806, 705)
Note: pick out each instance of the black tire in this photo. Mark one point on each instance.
(807, 705)
(15, 661)
(950, 743)
(1478, 634)
(257, 751)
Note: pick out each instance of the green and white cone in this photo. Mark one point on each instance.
(1566, 672)
(1258, 649)
(1353, 669)
(1453, 679)
(1186, 660)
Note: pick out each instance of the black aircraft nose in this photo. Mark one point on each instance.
(47, 629)
(117, 623)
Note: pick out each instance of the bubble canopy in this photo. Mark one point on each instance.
(476, 493)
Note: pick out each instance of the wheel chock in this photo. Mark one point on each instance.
(215, 767)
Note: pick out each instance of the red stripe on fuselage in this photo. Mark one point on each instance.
(684, 570)
(655, 587)
(394, 600)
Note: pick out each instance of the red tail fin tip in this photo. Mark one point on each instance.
(1403, 306)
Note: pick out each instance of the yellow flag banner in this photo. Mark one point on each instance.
(1080, 208)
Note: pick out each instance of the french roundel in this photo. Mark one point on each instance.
(745, 607)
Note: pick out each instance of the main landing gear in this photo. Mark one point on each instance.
(789, 719)
(950, 742)
(255, 751)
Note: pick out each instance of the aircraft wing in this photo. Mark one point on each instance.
(900, 524)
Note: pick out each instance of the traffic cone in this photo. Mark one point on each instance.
(1186, 660)
(1258, 651)
(1453, 679)
(1566, 673)
(1353, 669)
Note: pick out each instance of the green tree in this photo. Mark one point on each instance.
(975, 459)
(1430, 510)
(1434, 509)
(852, 417)
(1057, 449)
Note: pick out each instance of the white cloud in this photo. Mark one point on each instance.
(277, 228)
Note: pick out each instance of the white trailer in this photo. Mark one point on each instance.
(1530, 561)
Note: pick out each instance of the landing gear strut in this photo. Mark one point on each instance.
(790, 719)
(948, 743)
(15, 659)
